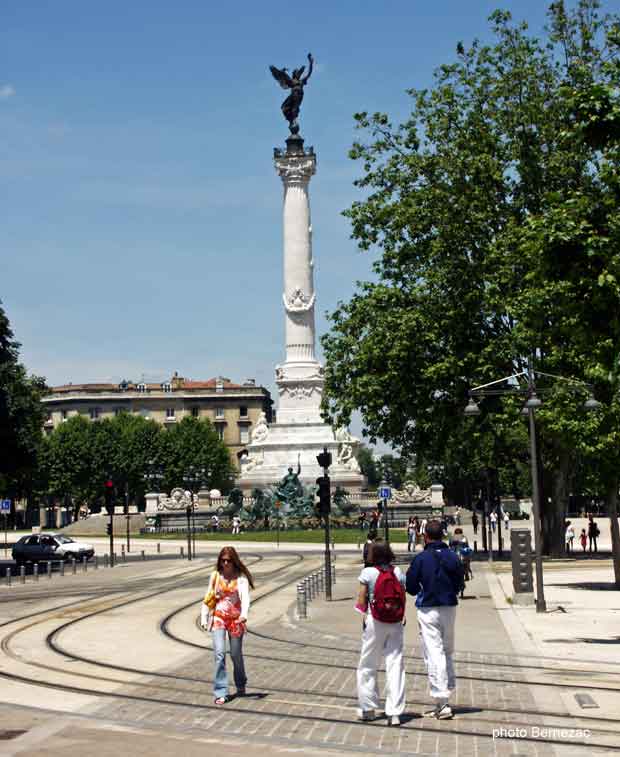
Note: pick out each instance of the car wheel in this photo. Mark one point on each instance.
(68, 556)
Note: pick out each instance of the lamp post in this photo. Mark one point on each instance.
(532, 403)
(193, 478)
(153, 476)
(324, 459)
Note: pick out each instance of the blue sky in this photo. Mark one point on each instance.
(141, 213)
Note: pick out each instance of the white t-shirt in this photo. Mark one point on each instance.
(369, 576)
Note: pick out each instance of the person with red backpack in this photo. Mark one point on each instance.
(382, 601)
(435, 577)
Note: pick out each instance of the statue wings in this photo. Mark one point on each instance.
(283, 79)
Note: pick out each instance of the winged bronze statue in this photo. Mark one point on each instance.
(296, 83)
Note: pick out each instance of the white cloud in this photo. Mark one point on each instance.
(6, 91)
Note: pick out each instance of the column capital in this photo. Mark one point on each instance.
(295, 169)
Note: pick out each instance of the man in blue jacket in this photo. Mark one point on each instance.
(435, 577)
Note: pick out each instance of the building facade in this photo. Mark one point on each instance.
(234, 409)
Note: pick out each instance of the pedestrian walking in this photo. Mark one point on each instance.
(593, 534)
(215, 522)
(493, 520)
(507, 521)
(423, 527)
(362, 521)
(224, 612)
(435, 577)
(411, 534)
(457, 516)
(381, 600)
(583, 539)
(474, 522)
(367, 551)
(236, 524)
(569, 536)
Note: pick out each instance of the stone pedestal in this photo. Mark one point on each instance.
(152, 499)
(437, 496)
(299, 434)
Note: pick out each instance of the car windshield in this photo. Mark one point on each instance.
(64, 539)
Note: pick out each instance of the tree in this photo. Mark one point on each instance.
(368, 466)
(21, 417)
(455, 201)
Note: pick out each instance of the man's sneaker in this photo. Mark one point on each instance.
(394, 720)
(366, 715)
(432, 713)
(444, 713)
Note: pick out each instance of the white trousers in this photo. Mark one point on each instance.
(436, 626)
(381, 639)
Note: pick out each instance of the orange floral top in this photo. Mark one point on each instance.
(228, 608)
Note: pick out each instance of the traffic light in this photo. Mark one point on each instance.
(108, 529)
(325, 505)
(108, 490)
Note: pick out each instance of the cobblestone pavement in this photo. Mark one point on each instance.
(302, 688)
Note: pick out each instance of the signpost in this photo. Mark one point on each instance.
(385, 493)
(5, 509)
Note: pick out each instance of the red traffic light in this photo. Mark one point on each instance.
(109, 484)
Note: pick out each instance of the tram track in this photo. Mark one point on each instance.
(164, 625)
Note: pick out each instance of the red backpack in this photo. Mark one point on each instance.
(388, 602)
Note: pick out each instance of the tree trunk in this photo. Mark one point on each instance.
(554, 512)
(612, 510)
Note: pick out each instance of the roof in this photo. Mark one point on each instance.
(177, 384)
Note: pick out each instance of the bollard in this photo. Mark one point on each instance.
(182, 552)
(114, 561)
(333, 574)
(8, 576)
(105, 561)
(475, 545)
(96, 562)
(315, 579)
(49, 568)
(35, 571)
(143, 554)
(158, 547)
(301, 601)
(22, 573)
(73, 566)
(308, 590)
(322, 580)
(311, 586)
(84, 565)
(62, 567)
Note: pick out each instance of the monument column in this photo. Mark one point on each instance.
(299, 378)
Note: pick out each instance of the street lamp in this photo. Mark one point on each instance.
(532, 403)
(153, 476)
(193, 478)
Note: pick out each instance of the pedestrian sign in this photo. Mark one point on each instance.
(5, 505)
(385, 492)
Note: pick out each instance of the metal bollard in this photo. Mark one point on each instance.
(96, 563)
(8, 576)
(158, 547)
(315, 581)
(311, 585)
(35, 571)
(62, 567)
(322, 580)
(308, 589)
(73, 566)
(333, 574)
(49, 568)
(143, 554)
(106, 561)
(22, 573)
(84, 565)
(182, 552)
(475, 545)
(302, 610)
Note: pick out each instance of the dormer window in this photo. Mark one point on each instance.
(219, 385)
(123, 386)
(141, 387)
(166, 386)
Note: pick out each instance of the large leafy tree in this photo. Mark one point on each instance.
(21, 417)
(456, 200)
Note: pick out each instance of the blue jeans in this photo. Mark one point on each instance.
(220, 679)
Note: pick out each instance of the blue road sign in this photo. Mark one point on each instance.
(385, 492)
(5, 505)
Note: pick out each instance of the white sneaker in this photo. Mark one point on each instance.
(394, 720)
(444, 713)
(366, 715)
(432, 713)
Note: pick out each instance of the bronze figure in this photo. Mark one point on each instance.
(296, 83)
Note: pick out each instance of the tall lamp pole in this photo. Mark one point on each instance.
(325, 460)
(533, 403)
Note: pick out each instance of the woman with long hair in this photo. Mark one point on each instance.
(224, 612)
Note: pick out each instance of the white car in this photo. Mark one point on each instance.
(44, 547)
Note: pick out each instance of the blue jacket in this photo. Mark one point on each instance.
(435, 576)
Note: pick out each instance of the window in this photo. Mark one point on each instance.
(170, 413)
(118, 410)
(141, 387)
(167, 387)
(63, 415)
(219, 385)
(220, 432)
(94, 413)
(243, 411)
(244, 434)
(195, 412)
(219, 412)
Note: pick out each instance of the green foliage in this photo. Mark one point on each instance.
(494, 209)
(21, 416)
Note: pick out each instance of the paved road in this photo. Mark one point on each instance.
(121, 667)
